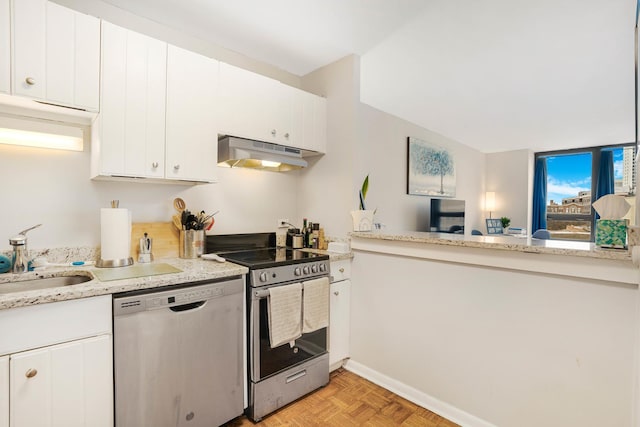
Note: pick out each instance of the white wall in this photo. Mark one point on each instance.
(52, 187)
(508, 175)
(363, 140)
(510, 348)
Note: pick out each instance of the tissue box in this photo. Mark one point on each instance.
(611, 233)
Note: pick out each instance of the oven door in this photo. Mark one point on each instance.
(265, 361)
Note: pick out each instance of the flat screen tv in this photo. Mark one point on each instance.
(447, 216)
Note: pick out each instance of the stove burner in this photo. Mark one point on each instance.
(261, 258)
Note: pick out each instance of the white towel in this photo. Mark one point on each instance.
(284, 308)
(315, 306)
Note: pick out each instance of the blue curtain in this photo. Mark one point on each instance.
(604, 183)
(539, 219)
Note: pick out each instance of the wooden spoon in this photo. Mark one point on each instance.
(179, 204)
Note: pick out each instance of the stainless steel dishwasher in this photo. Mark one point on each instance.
(178, 355)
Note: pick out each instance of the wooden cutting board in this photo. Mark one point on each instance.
(165, 235)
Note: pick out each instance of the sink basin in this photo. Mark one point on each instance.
(50, 281)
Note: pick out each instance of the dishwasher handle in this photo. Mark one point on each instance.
(187, 307)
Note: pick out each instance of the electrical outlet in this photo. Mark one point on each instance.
(283, 223)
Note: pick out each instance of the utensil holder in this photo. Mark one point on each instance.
(191, 243)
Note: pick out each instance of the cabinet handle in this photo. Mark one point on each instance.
(336, 293)
(286, 135)
(30, 81)
(273, 132)
(341, 270)
(31, 373)
(176, 167)
(154, 165)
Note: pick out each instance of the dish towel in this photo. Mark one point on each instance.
(284, 308)
(315, 305)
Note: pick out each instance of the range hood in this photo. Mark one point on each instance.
(246, 153)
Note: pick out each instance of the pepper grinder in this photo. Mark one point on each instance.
(145, 249)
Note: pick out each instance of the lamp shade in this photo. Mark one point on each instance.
(490, 201)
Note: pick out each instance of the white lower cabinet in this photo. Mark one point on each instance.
(56, 364)
(4, 391)
(62, 385)
(339, 317)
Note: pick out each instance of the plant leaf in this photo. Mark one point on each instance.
(365, 187)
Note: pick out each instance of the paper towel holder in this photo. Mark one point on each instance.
(108, 263)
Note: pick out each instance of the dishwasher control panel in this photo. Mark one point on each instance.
(154, 299)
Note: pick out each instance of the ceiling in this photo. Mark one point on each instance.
(495, 75)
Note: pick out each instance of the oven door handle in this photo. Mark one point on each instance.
(295, 376)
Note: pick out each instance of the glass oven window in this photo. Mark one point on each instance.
(274, 360)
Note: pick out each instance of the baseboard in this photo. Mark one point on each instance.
(418, 397)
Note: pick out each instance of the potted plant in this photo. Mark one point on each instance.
(363, 218)
(505, 222)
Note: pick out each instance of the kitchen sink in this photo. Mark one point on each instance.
(55, 280)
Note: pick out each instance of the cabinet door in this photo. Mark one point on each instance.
(339, 323)
(248, 104)
(72, 58)
(192, 129)
(132, 115)
(4, 391)
(29, 24)
(56, 54)
(309, 112)
(5, 49)
(63, 385)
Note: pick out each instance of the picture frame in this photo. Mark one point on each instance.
(494, 226)
(431, 169)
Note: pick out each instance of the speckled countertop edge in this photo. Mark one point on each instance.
(527, 245)
(192, 271)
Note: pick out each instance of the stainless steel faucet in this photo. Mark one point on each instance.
(19, 258)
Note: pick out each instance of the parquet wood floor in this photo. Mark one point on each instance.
(349, 400)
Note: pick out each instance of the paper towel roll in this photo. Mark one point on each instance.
(115, 234)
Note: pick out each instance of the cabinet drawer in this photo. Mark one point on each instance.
(340, 270)
(37, 326)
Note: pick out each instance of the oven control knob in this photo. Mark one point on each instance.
(297, 271)
(305, 269)
(314, 268)
(263, 277)
(322, 268)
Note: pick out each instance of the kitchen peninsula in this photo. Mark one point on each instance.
(498, 330)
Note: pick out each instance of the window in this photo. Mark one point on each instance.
(571, 180)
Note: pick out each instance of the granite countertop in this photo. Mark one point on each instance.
(193, 270)
(501, 242)
(333, 256)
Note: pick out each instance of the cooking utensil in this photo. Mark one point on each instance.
(177, 222)
(179, 204)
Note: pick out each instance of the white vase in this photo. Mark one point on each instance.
(362, 220)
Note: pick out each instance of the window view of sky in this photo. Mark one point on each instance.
(569, 174)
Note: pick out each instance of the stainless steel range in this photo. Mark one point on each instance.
(276, 375)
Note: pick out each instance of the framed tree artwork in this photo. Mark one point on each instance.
(430, 170)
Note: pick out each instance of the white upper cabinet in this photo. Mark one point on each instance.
(192, 125)
(257, 107)
(5, 49)
(129, 134)
(254, 106)
(309, 121)
(56, 54)
(157, 117)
